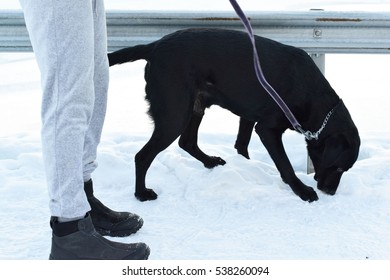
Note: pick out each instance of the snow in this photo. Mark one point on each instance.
(238, 211)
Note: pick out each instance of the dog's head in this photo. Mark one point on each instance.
(332, 157)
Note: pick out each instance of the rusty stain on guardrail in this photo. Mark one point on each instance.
(339, 19)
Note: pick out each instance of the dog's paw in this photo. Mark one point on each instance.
(242, 150)
(146, 194)
(213, 162)
(308, 194)
(245, 154)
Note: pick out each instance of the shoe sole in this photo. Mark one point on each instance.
(145, 256)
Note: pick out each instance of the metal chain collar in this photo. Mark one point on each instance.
(315, 135)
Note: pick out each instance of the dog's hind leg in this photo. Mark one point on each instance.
(189, 142)
(189, 139)
(244, 136)
(143, 160)
(170, 109)
(161, 138)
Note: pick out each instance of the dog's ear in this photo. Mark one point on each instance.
(334, 150)
(341, 151)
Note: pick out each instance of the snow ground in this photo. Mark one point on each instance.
(239, 211)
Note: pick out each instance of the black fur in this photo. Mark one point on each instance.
(190, 70)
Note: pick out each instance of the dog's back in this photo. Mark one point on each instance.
(224, 53)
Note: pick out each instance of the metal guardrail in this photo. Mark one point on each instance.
(314, 31)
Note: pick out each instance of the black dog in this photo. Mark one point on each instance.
(190, 70)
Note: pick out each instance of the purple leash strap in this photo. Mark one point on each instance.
(260, 76)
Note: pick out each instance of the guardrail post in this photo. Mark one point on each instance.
(319, 60)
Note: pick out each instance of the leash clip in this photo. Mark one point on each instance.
(308, 134)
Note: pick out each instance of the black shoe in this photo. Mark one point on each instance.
(78, 240)
(109, 222)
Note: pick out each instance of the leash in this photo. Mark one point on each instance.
(270, 90)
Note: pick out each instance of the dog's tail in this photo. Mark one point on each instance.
(130, 54)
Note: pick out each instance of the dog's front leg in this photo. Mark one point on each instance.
(272, 140)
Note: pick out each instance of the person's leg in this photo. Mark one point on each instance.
(105, 220)
(61, 32)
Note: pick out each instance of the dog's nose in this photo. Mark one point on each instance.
(327, 190)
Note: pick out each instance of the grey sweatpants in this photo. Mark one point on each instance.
(69, 39)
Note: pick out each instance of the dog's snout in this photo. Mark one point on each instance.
(328, 191)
